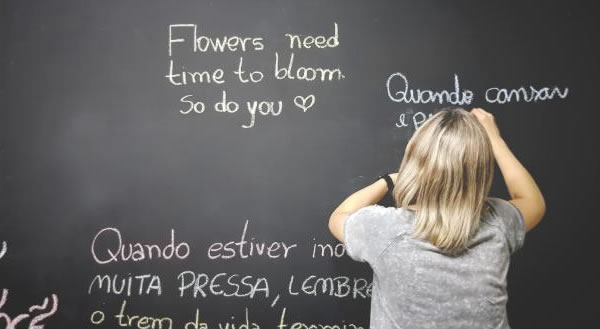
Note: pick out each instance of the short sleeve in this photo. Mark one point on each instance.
(367, 232)
(512, 221)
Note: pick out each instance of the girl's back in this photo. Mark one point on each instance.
(416, 285)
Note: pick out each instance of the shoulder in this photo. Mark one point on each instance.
(500, 208)
(368, 230)
(378, 216)
(509, 219)
(496, 211)
(377, 211)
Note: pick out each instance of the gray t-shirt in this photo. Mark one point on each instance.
(416, 285)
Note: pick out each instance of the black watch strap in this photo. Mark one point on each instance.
(388, 181)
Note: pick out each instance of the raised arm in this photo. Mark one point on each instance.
(524, 192)
(366, 196)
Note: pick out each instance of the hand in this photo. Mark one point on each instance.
(487, 121)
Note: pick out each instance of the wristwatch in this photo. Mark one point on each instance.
(388, 181)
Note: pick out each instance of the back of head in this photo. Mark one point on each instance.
(446, 172)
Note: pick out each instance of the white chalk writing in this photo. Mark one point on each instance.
(246, 248)
(118, 251)
(404, 94)
(3, 249)
(146, 284)
(283, 324)
(339, 286)
(524, 94)
(221, 284)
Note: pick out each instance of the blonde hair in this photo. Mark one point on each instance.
(447, 172)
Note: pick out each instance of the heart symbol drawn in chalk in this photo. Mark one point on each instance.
(3, 249)
(304, 103)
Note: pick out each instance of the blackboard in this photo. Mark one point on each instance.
(101, 139)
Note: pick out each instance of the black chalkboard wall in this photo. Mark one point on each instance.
(134, 196)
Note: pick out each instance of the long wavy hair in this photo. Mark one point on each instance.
(447, 173)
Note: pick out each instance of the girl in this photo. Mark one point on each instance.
(441, 257)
